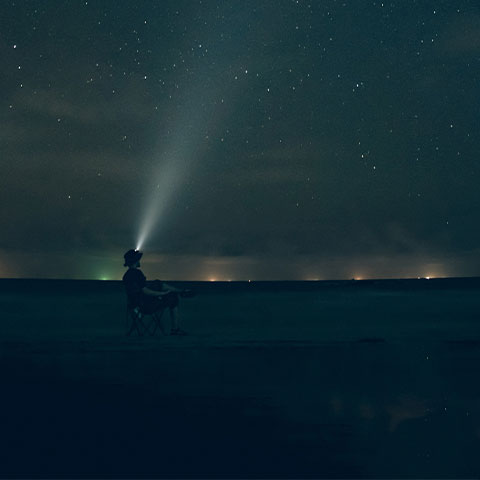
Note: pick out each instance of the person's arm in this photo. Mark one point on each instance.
(170, 288)
(152, 293)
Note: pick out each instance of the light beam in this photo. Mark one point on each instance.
(177, 159)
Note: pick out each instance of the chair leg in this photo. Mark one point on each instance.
(136, 323)
(145, 329)
(130, 327)
(155, 325)
(134, 327)
(142, 327)
(148, 327)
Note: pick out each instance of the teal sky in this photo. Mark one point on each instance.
(240, 140)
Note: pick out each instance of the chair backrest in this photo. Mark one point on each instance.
(133, 298)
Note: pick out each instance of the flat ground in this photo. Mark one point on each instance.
(329, 382)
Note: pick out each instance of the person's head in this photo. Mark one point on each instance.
(132, 258)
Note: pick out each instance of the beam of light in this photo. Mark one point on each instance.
(167, 180)
(196, 117)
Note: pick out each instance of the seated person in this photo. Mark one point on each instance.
(150, 300)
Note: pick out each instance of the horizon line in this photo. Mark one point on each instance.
(251, 280)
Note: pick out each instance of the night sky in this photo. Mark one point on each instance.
(253, 139)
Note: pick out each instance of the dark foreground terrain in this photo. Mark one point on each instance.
(343, 380)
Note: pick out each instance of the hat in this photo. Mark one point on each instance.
(131, 257)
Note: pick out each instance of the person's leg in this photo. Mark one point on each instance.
(158, 318)
(171, 300)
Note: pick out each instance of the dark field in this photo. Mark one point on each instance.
(341, 379)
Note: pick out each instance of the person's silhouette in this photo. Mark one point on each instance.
(152, 298)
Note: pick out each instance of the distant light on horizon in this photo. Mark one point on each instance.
(431, 277)
(359, 275)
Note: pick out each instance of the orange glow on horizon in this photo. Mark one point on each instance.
(358, 277)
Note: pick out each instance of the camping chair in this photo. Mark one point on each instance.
(143, 322)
